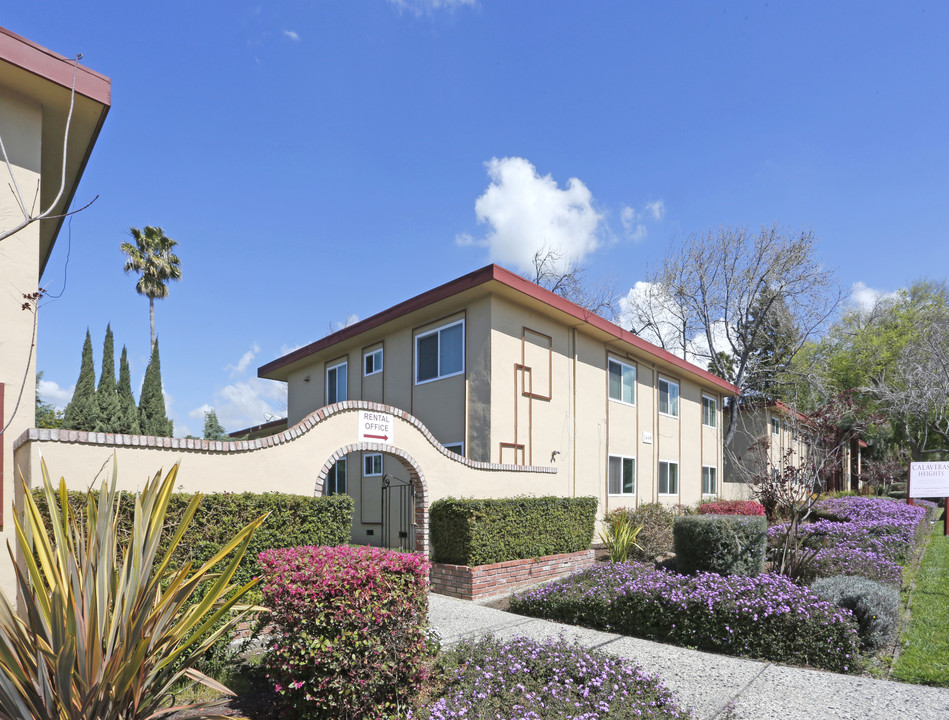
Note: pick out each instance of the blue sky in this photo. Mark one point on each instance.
(322, 160)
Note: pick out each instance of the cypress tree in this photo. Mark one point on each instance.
(107, 398)
(82, 410)
(129, 410)
(151, 404)
(213, 430)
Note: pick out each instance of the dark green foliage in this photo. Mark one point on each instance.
(724, 544)
(129, 411)
(151, 405)
(875, 606)
(294, 520)
(82, 410)
(107, 398)
(482, 532)
(655, 538)
(213, 430)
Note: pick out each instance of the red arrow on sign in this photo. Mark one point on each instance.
(379, 437)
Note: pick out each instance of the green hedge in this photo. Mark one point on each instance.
(482, 532)
(294, 520)
(724, 544)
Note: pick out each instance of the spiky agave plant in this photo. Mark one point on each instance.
(106, 628)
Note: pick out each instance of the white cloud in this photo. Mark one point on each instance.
(421, 7)
(528, 212)
(864, 298)
(247, 403)
(50, 392)
(635, 230)
(246, 359)
(350, 319)
(287, 349)
(657, 209)
(292, 35)
(198, 413)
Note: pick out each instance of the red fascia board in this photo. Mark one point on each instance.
(48, 65)
(515, 282)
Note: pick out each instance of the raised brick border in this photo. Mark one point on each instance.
(487, 581)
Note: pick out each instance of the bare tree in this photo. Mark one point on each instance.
(753, 300)
(565, 277)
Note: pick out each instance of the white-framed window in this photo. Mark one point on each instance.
(775, 426)
(336, 478)
(668, 478)
(709, 411)
(709, 480)
(336, 383)
(372, 362)
(371, 464)
(440, 353)
(668, 397)
(622, 480)
(622, 381)
(458, 448)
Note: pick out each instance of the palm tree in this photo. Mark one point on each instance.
(152, 256)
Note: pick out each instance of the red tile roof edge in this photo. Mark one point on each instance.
(515, 282)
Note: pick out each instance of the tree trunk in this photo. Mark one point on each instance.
(151, 321)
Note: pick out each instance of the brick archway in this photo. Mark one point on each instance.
(411, 467)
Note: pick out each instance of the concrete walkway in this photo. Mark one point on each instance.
(708, 683)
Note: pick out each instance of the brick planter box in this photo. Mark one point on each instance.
(488, 581)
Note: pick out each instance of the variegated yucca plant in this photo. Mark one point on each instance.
(106, 628)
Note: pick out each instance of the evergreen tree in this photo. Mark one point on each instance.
(151, 404)
(213, 430)
(107, 398)
(129, 410)
(82, 410)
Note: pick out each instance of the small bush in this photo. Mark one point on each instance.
(482, 532)
(766, 617)
(875, 606)
(724, 544)
(351, 637)
(655, 538)
(556, 679)
(732, 507)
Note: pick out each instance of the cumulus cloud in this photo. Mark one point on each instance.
(528, 212)
(246, 359)
(251, 402)
(350, 319)
(634, 229)
(657, 209)
(864, 298)
(291, 35)
(50, 392)
(422, 7)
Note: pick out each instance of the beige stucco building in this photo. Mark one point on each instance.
(503, 371)
(35, 93)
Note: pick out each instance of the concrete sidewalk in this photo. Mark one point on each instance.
(708, 683)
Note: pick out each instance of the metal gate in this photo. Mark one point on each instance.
(398, 513)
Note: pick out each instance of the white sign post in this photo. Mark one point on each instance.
(930, 479)
(376, 426)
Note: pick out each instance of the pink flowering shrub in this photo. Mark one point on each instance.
(732, 507)
(350, 636)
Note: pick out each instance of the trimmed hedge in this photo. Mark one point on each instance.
(294, 520)
(766, 617)
(482, 532)
(724, 544)
(352, 638)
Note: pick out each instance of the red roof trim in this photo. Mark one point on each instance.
(57, 69)
(515, 282)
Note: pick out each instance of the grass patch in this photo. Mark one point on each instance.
(924, 657)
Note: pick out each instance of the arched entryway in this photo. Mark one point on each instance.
(407, 473)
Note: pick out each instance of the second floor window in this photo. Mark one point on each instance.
(668, 397)
(709, 481)
(373, 362)
(440, 353)
(775, 426)
(622, 475)
(622, 382)
(336, 383)
(709, 411)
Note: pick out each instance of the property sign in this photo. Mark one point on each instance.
(375, 426)
(928, 479)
